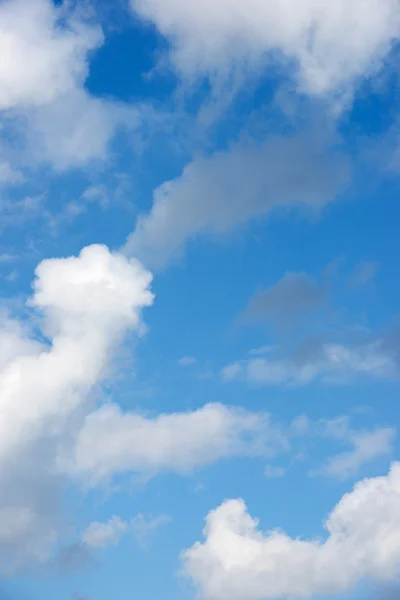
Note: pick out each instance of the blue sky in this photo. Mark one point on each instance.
(199, 340)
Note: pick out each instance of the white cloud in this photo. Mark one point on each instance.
(42, 58)
(143, 528)
(240, 562)
(75, 130)
(366, 446)
(331, 363)
(216, 194)
(50, 429)
(100, 535)
(113, 442)
(8, 175)
(330, 44)
(85, 305)
(43, 102)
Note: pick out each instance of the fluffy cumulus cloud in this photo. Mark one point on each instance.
(50, 428)
(329, 45)
(238, 561)
(330, 363)
(85, 305)
(216, 194)
(43, 102)
(112, 441)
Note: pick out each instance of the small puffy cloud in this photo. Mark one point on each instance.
(328, 45)
(238, 561)
(100, 535)
(330, 363)
(217, 194)
(113, 442)
(286, 300)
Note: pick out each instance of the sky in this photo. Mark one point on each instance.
(199, 318)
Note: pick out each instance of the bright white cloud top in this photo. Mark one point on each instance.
(238, 561)
(86, 305)
(332, 44)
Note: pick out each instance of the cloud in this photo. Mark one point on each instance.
(43, 101)
(273, 472)
(216, 194)
(363, 273)
(187, 361)
(238, 561)
(52, 434)
(84, 305)
(329, 363)
(329, 46)
(367, 446)
(260, 351)
(113, 442)
(73, 558)
(8, 175)
(100, 535)
(144, 528)
(18, 212)
(42, 59)
(285, 301)
(85, 126)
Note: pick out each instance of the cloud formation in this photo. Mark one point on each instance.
(238, 561)
(285, 301)
(365, 445)
(328, 45)
(216, 194)
(43, 101)
(85, 305)
(113, 442)
(326, 362)
(49, 424)
(100, 535)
